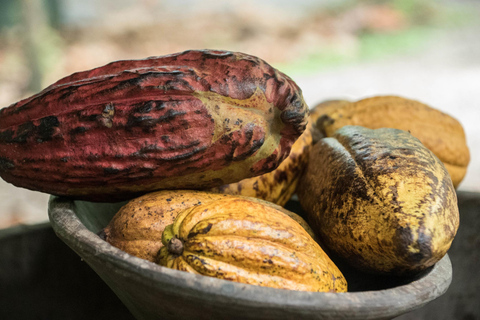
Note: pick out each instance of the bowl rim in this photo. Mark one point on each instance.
(386, 302)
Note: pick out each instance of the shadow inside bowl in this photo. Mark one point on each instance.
(151, 291)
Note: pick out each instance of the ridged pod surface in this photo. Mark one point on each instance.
(195, 119)
(439, 132)
(279, 185)
(246, 241)
(138, 226)
(380, 200)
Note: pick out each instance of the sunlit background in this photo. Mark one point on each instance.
(423, 50)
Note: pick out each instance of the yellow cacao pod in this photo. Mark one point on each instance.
(138, 226)
(439, 132)
(246, 241)
(380, 200)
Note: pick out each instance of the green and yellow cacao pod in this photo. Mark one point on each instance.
(138, 226)
(245, 241)
(190, 120)
(380, 200)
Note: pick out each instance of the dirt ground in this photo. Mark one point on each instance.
(446, 75)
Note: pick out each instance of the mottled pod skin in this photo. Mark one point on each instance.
(439, 132)
(138, 226)
(380, 200)
(195, 119)
(246, 241)
(279, 185)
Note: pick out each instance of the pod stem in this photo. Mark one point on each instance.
(175, 246)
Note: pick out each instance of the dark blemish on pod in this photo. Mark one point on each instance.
(152, 148)
(201, 231)
(7, 136)
(280, 176)
(233, 143)
(145, 107)
(254, 147)
(141, 121)
(149, 121)
(46, 129)
(405, 240)
(6, 164)
(159, 105)
(93, 157)
(110, 171)
(185, 155)
(185, 124)
(322, 122)
(179, 84)
(33, 160)
(267, 76)
(78, 130)
(24, 131)
(133, 82)
(87, 118)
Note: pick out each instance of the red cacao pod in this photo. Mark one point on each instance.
(189, 120)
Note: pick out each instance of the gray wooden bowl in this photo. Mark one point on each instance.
(151, 291)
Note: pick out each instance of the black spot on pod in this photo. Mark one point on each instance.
(6, 136)
(6, 164)
(145, 107)
(46, 129)
(422, 245)
(24, 131)
(202, 231)
(323, 122)
(110, 170)
(77, 130)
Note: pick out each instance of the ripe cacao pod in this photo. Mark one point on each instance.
(246, 241)
(380, 200)
(137, 227)
(439, 132)
(279, 185)
(195, 119)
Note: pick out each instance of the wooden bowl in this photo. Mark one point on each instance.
(151, 291)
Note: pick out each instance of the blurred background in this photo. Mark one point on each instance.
(420, 49)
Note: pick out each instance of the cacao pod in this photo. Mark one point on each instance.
(246, 241)
(137, 227)
(196, 119)
(279, 185)
(380, 200)
(439, 132)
